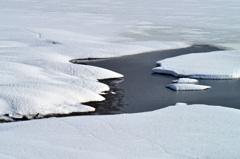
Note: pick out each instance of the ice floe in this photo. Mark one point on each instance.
(185, 80)
(187, 87)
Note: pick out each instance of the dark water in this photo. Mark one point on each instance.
(142, 91)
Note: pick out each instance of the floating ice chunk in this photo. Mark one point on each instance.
(113, 92)
(180, 104)
(185, 80)
(187, 87)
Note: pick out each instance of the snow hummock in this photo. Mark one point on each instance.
(185, 80)
(214, 65)
(181, 131)
(187, 87)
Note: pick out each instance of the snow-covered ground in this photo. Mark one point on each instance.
(176, 132)
(38, 38)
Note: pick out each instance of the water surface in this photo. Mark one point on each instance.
(142, 91)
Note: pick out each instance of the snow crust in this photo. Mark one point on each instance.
(175, 132)
(214, 65)
(187, 87)
(185, 80)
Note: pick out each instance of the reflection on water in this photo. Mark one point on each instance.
(114, 99)
(142, 91)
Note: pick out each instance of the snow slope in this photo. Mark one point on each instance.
(215, 65)
(175, 132)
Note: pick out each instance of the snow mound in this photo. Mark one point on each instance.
(187, 87)
(185, 80)
(214, 65)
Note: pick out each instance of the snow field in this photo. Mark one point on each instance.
(38, 38)
(176, 132)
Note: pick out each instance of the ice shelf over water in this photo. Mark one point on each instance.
(214, 65)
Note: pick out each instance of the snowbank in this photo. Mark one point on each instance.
(187, 87)
(181, 131)
(214, 65)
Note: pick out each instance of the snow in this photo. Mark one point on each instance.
(214, 65)
(187, 87)
(185, 80)
(37, 41)
(181, 131)
(39, 38)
